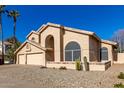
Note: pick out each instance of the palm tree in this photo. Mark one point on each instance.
(14, 14)
(1, 12)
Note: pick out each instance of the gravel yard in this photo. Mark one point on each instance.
(13, 76)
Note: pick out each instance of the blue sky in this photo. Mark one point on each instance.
(103, 20)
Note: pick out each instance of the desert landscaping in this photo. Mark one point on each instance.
(26, 76)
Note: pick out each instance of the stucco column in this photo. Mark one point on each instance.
(85, 50)
(25, 58)
(17, 60)
(57, 48)
(111, 55)
(44, 60)
(62, 32)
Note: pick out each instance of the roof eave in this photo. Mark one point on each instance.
(75, 30)
(109, 42)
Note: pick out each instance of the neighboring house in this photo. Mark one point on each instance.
(53, 45)
(6, 44)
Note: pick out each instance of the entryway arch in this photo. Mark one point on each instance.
(49, 44)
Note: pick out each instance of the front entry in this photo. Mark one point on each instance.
(49, 44)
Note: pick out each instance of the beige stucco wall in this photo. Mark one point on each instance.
(68, 66)
(55, 32)
(97, 67)
(33, 50)
(93, 66)
(35, 36)
(68, 36)
(120, 58)
(94, 46)
(81, 39)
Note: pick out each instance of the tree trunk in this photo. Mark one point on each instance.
(14, 42)
(2, 61)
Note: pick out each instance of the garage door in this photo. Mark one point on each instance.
(35, 59)
(21, 59)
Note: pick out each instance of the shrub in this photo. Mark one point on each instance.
(54, 68)
(43, 67)
(63, 68)
(78, 65)
(119, 85)
(121, 75)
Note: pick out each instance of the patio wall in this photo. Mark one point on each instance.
(99, 66)
(69, 65)
(120, 58)
(93, 66)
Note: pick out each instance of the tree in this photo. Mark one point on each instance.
(1, 12)
(118, 37)
(14, 14)
(10, 50)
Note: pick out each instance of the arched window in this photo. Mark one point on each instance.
(72, 51)
(104, 53)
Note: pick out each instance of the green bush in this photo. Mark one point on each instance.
(121, 75)
(63, 68)
(78, 64)
(120, 85)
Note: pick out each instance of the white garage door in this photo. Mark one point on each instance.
(21, 59)
(35, 59)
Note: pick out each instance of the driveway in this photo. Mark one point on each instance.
(23, 76)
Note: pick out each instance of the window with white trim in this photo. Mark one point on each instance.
(72, 51)
(104, 53)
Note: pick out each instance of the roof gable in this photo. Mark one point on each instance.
(42, 28)
(32, 32)
(30, 42)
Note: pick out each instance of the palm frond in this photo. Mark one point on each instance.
(13, 13)
(2, 8)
